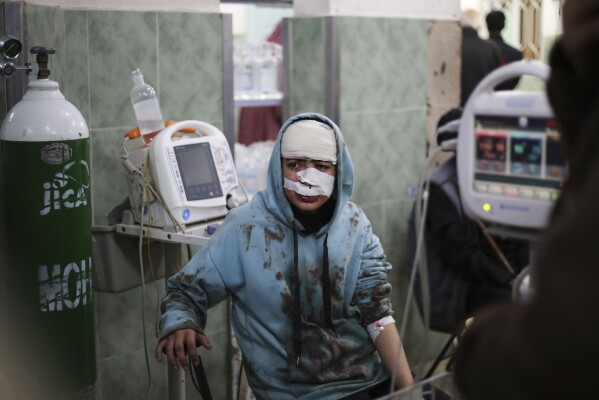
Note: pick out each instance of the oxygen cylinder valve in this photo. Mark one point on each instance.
(10, 49)
(41, 57)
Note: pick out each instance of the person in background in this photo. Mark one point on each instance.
(479, 57)
(495, 24)
(468, 269)
(547, 348)
(307, 277)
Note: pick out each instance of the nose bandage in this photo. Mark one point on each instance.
(312, 182)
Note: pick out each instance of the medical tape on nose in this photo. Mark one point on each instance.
(312, 182)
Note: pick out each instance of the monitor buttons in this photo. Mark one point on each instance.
(481, 187)
(495, 189)
(510, 191)
(542, 194)
(526, 192)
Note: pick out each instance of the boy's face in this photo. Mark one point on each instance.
(290, 167)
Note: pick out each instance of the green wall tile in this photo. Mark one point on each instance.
(387, 149)
(119, 42)
(45, 27)
(75, 85)
(383, 63)
(308, 78)
(406, 63)
(364, 134)
(190, 66)
(363, 60)
(109, 179)
(126, 377)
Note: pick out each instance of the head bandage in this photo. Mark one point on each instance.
(309, 139)
(312, 182)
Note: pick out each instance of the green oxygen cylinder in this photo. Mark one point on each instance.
(45, 189)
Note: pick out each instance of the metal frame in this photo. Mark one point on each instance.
(332, 67)
(287, 35)
(227, 88)
(15, 24)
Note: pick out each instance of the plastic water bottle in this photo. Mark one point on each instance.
(146, 107)
(268, 79)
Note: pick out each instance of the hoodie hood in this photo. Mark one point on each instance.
(274, 195)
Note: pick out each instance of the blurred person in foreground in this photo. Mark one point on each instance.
(548, 348)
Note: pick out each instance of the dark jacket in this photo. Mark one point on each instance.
(508, 54)
(464, 272)
(479, 58)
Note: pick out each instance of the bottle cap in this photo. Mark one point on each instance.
(135, 133)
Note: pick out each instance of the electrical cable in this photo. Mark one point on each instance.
(147, 178)
(136, 172)
(143, 302)
(133, 170)
(154, 278)
(419, 262)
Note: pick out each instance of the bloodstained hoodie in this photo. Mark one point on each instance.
(300, 301)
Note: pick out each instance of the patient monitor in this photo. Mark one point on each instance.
(193, 176)
(511, 164)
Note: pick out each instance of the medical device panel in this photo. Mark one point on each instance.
(193, 174)
(511, 163)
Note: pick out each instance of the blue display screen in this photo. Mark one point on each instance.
(520, 156)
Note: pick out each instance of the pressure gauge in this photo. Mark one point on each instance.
(10, 47)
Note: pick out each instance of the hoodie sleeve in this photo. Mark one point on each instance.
(372, 288)
(190, 292)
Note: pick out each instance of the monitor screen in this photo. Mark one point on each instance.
(198, 172)
(519, 157)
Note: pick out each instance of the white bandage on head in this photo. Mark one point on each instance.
(377, 327)
(309, 139)
(312, 182)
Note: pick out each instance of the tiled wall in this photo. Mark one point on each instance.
(308, 66)
(180, 55)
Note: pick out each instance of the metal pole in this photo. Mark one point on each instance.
(331, 25)
(15, 24)
(227, 88)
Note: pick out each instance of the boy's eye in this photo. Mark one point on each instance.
(323, 167)
(300, 165)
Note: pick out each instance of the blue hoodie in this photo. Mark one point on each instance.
(301, 301)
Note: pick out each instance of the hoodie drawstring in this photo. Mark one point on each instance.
(297, 302)
(326, 286)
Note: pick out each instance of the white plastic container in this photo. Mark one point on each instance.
(146, 107)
